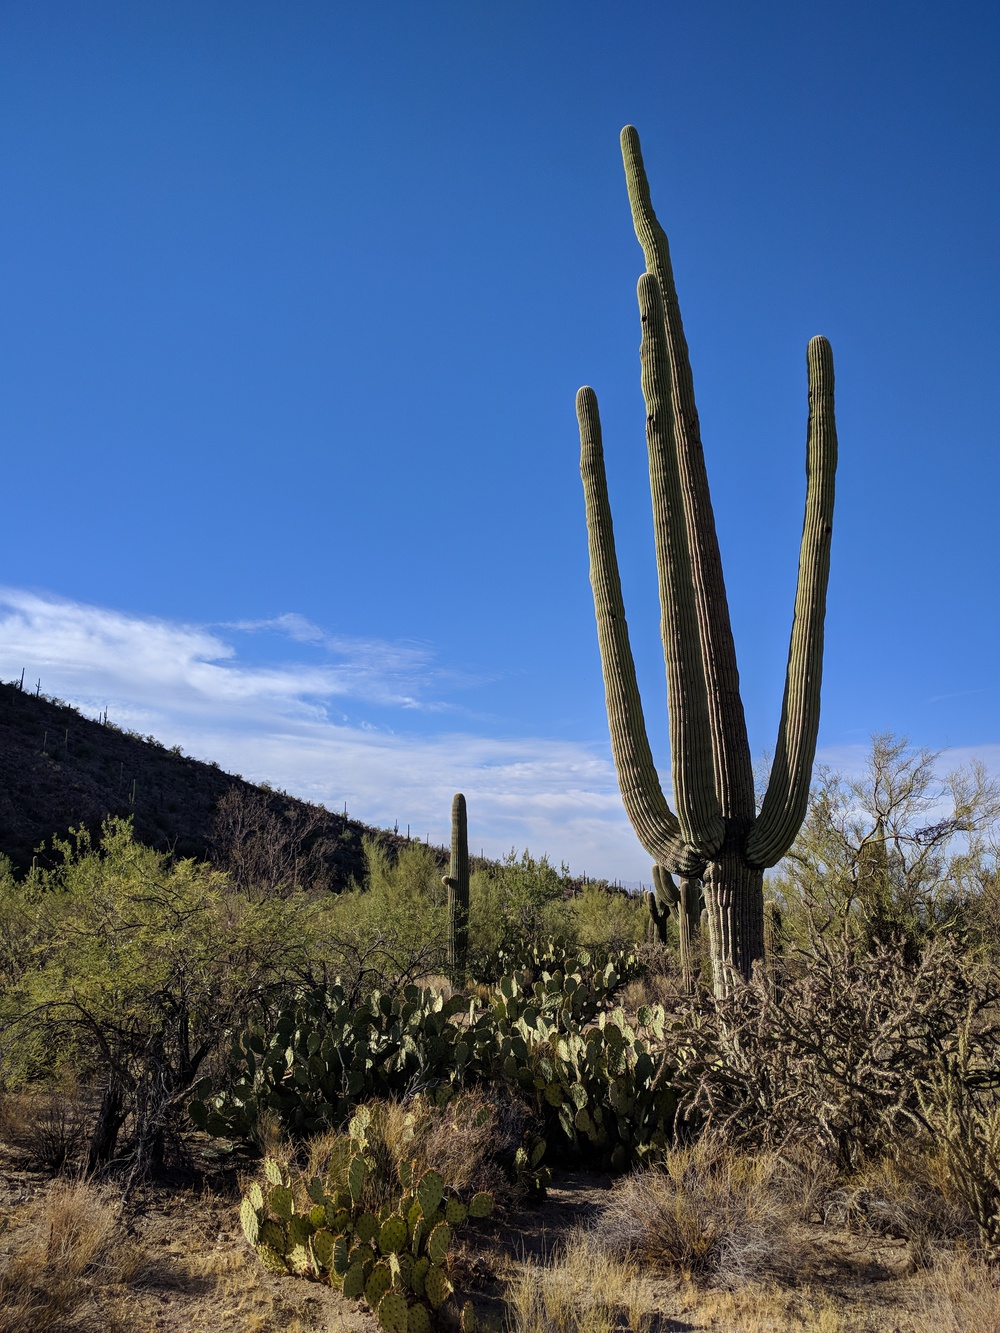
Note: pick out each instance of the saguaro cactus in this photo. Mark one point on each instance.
(715, 834)
(685, 900)
(457, 884)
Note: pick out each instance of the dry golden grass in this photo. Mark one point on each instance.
(708, 1214)
(958, 1295)
(76, 1240)
(580, 1290)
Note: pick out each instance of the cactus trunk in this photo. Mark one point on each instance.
(714, 835)
(457, 884)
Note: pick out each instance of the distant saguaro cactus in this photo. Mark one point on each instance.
(715, 835)
(457, 884)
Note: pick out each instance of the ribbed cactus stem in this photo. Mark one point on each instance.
(655, 823)
(683, 901)
(731, 750)
(687, 697)
(457, 884)
(787, 795)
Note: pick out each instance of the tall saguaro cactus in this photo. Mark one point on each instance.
(715, 835)
(457, 884)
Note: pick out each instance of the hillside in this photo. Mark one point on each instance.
(59, 769)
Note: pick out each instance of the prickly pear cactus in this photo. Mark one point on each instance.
(340, 1228)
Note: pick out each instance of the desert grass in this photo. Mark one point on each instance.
(581, 1289)
(959, 1295)
(707, 1214)
(76, 1240)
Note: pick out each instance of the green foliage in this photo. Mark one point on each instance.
(549, 1032)
(402, 905)
(517, 899)
(607, 920)
(126, 966)
(366, 1224)
(892, 854)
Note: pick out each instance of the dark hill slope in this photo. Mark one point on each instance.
(59, 769)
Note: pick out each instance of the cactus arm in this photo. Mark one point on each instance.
(687, 696)
(731, 749)
(787, 795)
(655, 824)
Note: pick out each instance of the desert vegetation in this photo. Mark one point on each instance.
(278, 1107)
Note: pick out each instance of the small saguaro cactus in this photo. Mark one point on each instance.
(457, 884)
(685, 902)
(716, 835)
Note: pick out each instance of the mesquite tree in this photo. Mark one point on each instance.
(716, 835)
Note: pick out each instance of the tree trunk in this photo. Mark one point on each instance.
(110, 1119)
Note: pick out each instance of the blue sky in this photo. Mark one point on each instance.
(295, 301)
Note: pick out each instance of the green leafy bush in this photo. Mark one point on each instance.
(125, 966)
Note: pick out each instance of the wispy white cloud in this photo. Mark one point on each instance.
(188, 685)
(286, 723)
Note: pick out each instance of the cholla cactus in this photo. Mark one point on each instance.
(715, 835)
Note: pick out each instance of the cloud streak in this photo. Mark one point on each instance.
(188, 685)
(285, 723)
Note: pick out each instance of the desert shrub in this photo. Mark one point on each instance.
(958, 1295)
(893, 853)
(582, 1288)
(834, 1055)
(133, 966)
(513, 901)
(961, 1105)
(705, 1212)
(397, 918)
(266, 844)
(608, 920)
(907, 1198)
(480, 1140)
(47, 1124)
(80, 1234)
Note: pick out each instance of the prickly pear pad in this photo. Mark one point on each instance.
(392, 1312)
(437, 1287)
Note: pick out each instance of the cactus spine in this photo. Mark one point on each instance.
(715, 835)
(457, 884)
